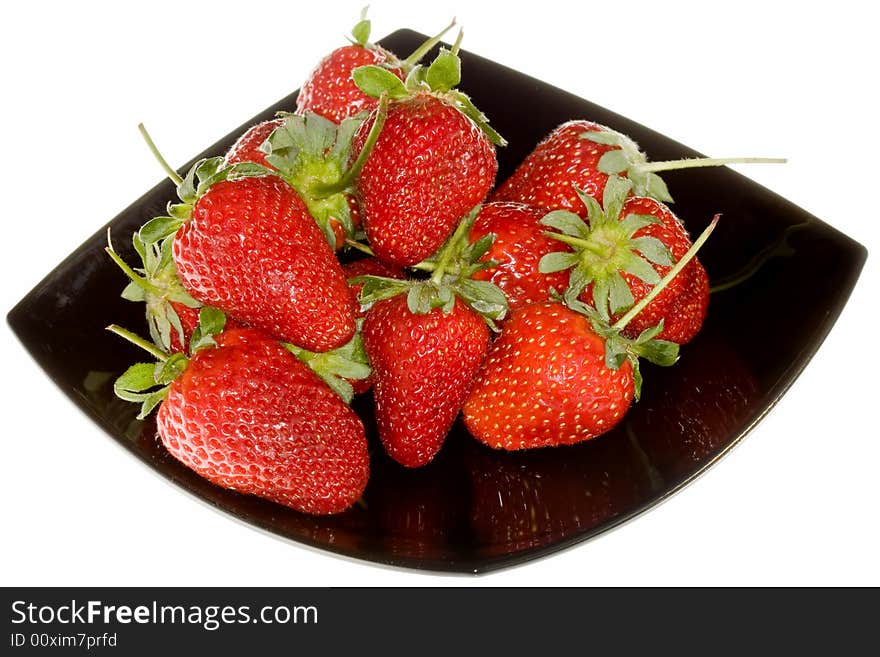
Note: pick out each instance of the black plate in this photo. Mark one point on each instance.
(474, 509)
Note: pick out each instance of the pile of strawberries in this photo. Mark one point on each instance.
(527, 308)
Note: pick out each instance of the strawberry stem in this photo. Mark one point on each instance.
(423, 49)
(693, 163)
(323, 191)
(592, 247)
(139, 341)
(138, 280)
(175, 177)
(451, 247)
(621, 323)
(457, 45)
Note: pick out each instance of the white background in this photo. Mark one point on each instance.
(795, 504)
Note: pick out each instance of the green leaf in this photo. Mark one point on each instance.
(617, 190)
(186, 190)
(557, 261)
(467, 107)
(649, 333)
(420, 298)
(377, 288)
(361, 31)
(595, 214)
(606, 137)
(637, 378)
(615, 352)
(484, 297)
(578, 280)
(601, 293)
(620, 296)
(134, 292)
(374, 81)
(341, 387)
(139, 246)
(566, 222)
(656, 188)
(158, 228)
(212, 320)
(182, 211)
(641, 268)
(247, 170)
(473, 252)
(659, 352)
(152, 400)
(342, 366)
(165, 372)
(136, 379)
(633, 222)
(444, 73)
(653, 249)
(613, 162)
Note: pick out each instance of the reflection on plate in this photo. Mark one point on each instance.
(474, 509)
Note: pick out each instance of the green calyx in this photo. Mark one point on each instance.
(156, 284)
(620, 349)
(451, 268)
(148, 383)
(628, 160)
(311, 153)
(339, 366)
(439, 79)
(604, 248)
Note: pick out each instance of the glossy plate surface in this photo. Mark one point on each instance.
(474, 509)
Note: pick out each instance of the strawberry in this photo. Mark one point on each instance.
(330, 90)
(432, 162)
(247, 147)
(517, 249)
(584, 154)
(559, 374)
(546, 382)
(425, 341)
(172, 314)
(245, 243)
(423, 368)
(245, 414)
(624, 251)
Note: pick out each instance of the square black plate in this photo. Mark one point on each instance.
(474, 509)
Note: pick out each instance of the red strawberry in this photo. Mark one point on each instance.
(247, 147)
(425, 340)
(559, 374)
(245, 414)
(584, 154)
(624, 251)
(330, 90)
(565, 159)
(423, 368)
(248, 246)
(518, 247)
(433, 161)
(545, 382)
